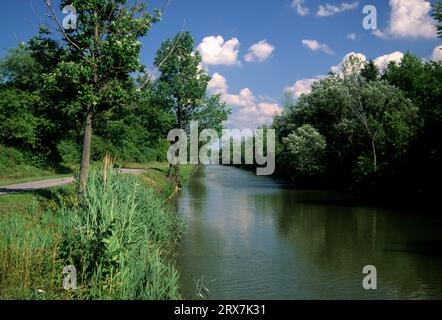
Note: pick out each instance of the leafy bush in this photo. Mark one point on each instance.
(10, 157)
(15, 164)
(69, 152)
(100, 147)
(305, 151)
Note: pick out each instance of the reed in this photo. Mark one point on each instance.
(28, 261)
(120, 233)
(119, 238)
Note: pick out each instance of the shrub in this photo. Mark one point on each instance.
(15, 164)
(305, 151)
(10, 157)
(69, 152)
(100, 147)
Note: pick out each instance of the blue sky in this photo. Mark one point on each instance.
(278, 28)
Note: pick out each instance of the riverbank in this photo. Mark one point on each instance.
(120, 233)
(391, 197)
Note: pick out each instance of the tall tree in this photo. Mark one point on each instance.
(182, 81)
(212, 113)
(104, 49)
(370, 72)
(182, 84)
(24, 112)
(421, 81)
(437, 14)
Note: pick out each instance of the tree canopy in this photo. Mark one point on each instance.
(59, 85)
(378, 128)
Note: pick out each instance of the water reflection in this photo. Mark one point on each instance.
(253, 238)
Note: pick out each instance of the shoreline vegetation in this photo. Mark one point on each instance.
(369, 131)
(120, 233)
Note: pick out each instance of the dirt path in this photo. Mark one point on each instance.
(44, 184)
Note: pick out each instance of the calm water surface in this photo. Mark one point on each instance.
(252, 237)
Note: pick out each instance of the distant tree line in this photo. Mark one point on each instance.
(366, 129)
(375, 132)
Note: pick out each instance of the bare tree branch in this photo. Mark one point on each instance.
(60, 27)
(63, 32)
(166, 5)
(175, 45)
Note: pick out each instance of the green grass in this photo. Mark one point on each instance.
(24, 173)
(16, 203)
(155, 175)
(28, 245)
(120, 236)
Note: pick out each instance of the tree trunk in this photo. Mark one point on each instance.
(85, 158)
(375, 157)
(169, 173)
(174, 170)
(174, 173)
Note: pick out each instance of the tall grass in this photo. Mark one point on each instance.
(28, 259)
(119, 238)
(119, 233)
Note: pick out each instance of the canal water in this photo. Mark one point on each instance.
(251, 237)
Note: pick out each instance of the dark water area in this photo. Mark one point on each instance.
(251, 237)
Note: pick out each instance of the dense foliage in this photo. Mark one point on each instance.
(366, 129)
(437, 7)
(51, 91)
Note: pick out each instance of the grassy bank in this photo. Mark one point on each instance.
(118, 234)
(15, 168)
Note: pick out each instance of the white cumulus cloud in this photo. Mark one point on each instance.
(259, 52)
(409, 19)
(249, 111)
(316, 46)
(303, 86)
(330, 10)
(255, 115)
(269, 109)
(338, 69)
(351, 36)
(298, 5)
(215, 51)
(243, 99)
(382, 62)
(437, 54)
(218, 84)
